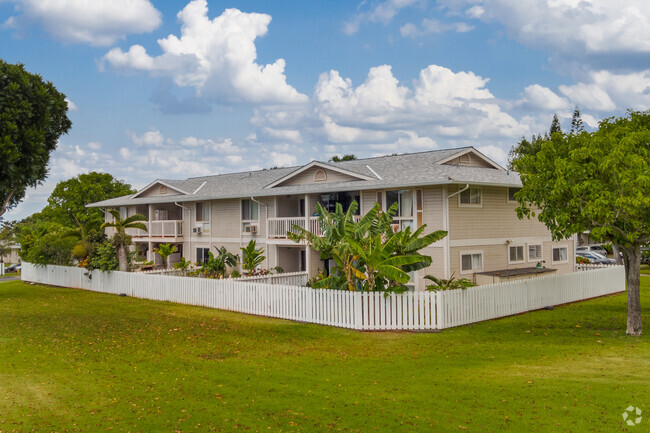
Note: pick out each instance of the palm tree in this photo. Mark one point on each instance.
(164, 251)
(121, 239)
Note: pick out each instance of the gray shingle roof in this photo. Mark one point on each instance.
(414, 169)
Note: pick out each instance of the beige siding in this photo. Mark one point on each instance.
(368, 200)
(289, 258)
(307, 177)
(474, 161)
(496, 218)
(288, 207)
(226, 218)
(433, 211)
(154, 191)
(437, 268)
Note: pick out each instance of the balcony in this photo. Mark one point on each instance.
(159, 229)
(277, 228)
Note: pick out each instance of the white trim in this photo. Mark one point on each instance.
(317, 164)
(374, 172)
(566, 246)
(523, 254)
(470, 252)
(202, 185)
(161, 183)
(499, 241)
(470, 150)
(445, 226)
(471, 205)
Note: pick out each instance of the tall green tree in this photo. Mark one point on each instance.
(67, 203)
(597, 182)
(577, 125)
(555, 126)
(348, 157)
(33, 115)
(164, 251)
(121, 239)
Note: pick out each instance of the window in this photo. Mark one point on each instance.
(124, 212)
(404, 200)
(534, 253)
(320, 176)
(471, 262)
(203, 212)
(560, 254)
(249, 210)
(202, 255)
(471, 197)
(418, 207)
(516, 254)
(511, 194)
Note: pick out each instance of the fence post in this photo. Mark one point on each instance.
(2, 268)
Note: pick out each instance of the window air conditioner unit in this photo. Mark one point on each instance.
(253, 229)
(196, 230)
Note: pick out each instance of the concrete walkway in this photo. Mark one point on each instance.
(12, 278)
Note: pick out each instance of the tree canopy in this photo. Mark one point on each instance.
(348, 157)
(597, 182)
(32, 118)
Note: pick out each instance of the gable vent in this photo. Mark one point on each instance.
(320, 176)
(163, 189)
(465, 159)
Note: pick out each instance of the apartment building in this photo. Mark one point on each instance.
(458, 190)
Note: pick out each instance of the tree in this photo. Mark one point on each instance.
(44, 242)
(217, 265)
(597, 182)
(164, 251)
(525, 147)
(7, 239)
(368, 254)
(32, 118)
(67, 203)
(121, 239)
(349, 157)
(577, 126)
(251, 256)
(555, 126)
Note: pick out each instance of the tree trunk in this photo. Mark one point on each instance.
(617, 254)
(121, 258)
(633, 277)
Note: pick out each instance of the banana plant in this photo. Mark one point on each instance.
(121, 239)
(252, 256)
(164, 251)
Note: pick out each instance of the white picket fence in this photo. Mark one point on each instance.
(2, 269)
(355, 310)
(286, 278)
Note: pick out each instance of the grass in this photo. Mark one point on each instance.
(645, 269)
(79, 361)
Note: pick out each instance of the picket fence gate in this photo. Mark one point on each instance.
(354, 310)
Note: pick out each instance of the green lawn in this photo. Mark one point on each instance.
(79, 361)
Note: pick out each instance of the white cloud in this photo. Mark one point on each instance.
(96, 22)
(282, 159)
(216, 57)
(589, 96)
(382, 13)
(95, 145)
(542, 98)
(433, 26)
(495, 153)
(71, 105)
(291, 135)
(125, 153)
(149, 138)
(568, 28)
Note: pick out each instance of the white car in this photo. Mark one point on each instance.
(592, 249)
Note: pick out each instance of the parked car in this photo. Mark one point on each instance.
(592, 249)
(12, 268)
(595, 258)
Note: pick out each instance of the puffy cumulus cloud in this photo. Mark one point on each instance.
(97, 22)
(542, 98)
(440, 101)
(283, 159)
(216, 57)
(569, 29)
(382, 12)
(95, 145)
(497, 154)
(606, 91)
(149, 138)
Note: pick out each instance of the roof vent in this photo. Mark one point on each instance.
(163, 189)
(320, 176)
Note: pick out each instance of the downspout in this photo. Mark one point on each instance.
(266, 222)
(448, 269)
(189, 224)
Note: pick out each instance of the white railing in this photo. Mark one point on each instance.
(277, 228)
(363, 311)
(155, 229)
(286, 278)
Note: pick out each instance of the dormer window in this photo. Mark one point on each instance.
(163, 189)
(320, 176)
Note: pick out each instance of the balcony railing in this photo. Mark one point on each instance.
(155, 229)
(277, 228)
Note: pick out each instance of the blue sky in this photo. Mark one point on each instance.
(179, 89)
